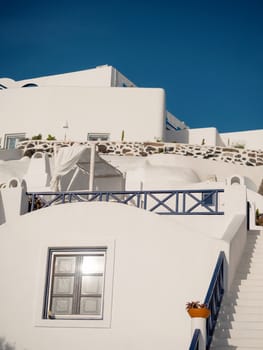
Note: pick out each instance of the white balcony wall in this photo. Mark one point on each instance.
(205, 136)
(252, 139)
(160, 263)
(159, 266)
(100, 76)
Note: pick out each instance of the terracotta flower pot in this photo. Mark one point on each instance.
(200, 312)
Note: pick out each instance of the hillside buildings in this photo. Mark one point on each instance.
(109, 229)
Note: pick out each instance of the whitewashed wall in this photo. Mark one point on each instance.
(153, 276)
(252, 139)
(10, 154)
(160, 263)
(100, 76)
(206, 136)
(139, 112)
(190, 170)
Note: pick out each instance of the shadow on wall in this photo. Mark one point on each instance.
(2, 219)
(178, 136)
(4, 345)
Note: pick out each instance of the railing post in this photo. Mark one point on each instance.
(199, 323)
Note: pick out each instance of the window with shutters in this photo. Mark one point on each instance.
(75, 283)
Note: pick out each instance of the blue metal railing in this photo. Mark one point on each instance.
(173, 202)
(213, 301)
(195, 340)
(214, 297)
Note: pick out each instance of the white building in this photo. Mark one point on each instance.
(100, 273)
(106, 104)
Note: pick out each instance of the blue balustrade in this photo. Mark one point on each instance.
(214, 297)
(195, 340)
(173, 202)
(213, 301)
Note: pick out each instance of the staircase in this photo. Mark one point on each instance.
(240, 321)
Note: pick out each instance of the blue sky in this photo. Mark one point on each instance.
(206, 54)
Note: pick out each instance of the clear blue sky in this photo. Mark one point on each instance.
(206, 54)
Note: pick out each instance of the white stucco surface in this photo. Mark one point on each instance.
(206, 168)
(158, 262)
(251, 139)
(158, 268)
(13, 168)
(205, 136)
(139, 112)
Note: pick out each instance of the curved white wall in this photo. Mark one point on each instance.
(159, 266)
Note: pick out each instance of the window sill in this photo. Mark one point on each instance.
(56, 323)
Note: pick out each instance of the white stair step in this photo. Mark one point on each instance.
(252, 244)
(249, 275)
(257, 249)
(252, 258)
(246, 288)
(240, 325)
(240, 333)
(247, 299)
(247, 282)
(242, 309)
(235, 298)
(231, 347)
(251, 255)
(241, 317)
(244, 302)
(244, 295)
(240, 342)
(247, 265)
(254, 241)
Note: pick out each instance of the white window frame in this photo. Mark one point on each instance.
(15, 136)
(75, 296)
(80, 322)
(98, 136)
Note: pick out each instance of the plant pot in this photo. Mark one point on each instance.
(201, 312)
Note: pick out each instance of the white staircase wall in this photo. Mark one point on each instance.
(240, 323)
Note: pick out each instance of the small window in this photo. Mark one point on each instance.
(11, 140)
(98, 137)
(75, 283)
(208, 198)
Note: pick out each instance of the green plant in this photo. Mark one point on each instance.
(37, 137)
(238, 145)
(122, 135)
(257, 213)
(195, 305)
(51, 138)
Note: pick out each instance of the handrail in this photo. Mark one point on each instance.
(214, 297)
(195, 340)
(213, 301)
(168, 202)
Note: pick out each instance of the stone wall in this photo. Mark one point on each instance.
(143, 149)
